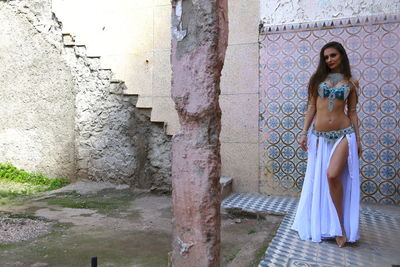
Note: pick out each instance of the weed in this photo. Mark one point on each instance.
(16, 183)
(8, 172)
(86, 214)
(260, 253)
(251, 231)
(232, 255)
(105, 203)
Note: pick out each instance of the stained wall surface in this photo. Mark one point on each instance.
(276, 12)
(37, 100)
(239, 97)
(287, 59)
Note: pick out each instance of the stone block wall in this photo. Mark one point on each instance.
(115, 141)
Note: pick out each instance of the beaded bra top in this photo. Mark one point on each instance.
(341, 92)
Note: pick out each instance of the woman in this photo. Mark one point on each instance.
(329, 202)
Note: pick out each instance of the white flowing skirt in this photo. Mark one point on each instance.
(316, 216)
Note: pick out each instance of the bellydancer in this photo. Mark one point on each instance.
(330, 198)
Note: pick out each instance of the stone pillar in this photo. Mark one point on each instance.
(199, 41)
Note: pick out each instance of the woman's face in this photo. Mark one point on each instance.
(332, 58)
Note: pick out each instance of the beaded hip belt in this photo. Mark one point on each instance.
(333, 135)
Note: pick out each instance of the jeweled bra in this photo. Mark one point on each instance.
(341, 92)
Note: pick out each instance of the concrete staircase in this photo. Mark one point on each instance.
(142, 104)
(118, 86)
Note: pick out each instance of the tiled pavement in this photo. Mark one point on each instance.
(378, 246)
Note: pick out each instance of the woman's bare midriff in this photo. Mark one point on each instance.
(326, 120)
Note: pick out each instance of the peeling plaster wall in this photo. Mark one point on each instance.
(276, 12)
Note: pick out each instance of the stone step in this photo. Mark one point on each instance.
(163, 110)
(68, 39)
(226, 186)
(80, 50)
(117, 86)
(116, 81)
(105, 74)
(163, 124)
(144, 102)
(93, 62)
(145, 111)
(172, 129)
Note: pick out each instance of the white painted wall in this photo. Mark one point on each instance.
(276, 12)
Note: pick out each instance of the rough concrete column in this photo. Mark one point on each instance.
(199, 41)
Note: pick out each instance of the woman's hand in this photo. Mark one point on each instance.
(359, 147)
(303, 142)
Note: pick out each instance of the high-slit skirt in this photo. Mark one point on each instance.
(316, 216)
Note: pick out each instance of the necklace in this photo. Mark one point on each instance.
(335, 78)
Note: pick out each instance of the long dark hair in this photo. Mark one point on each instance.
(323, 70)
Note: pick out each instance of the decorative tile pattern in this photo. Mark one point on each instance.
(378, 245)
(288, 57)
(251, 202)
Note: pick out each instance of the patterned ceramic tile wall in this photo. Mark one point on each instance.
(288, 57)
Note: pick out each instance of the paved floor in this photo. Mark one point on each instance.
(379, 244)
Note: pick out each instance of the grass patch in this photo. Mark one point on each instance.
(86, 214)
(11, 189)
(39, 181)
(260, 253)
(15, 183)
(232, 255)
(251, 231)
(105, 202)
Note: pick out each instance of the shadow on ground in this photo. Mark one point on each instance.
(121, 226)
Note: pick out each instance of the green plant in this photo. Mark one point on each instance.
(31, 181)
(233, 254)
(251, 231)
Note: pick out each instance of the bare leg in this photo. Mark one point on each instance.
(335, 170)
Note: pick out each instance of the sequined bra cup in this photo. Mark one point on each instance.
(341, 92)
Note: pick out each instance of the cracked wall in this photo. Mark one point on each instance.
(276, 12)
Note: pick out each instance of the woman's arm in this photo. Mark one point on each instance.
(311, 109)
(352, 111)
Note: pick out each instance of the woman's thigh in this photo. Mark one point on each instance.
(338, 159)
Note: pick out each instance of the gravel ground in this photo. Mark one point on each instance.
(14, 230)
(21, 229)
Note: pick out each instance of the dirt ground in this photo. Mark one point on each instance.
(121, 227)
